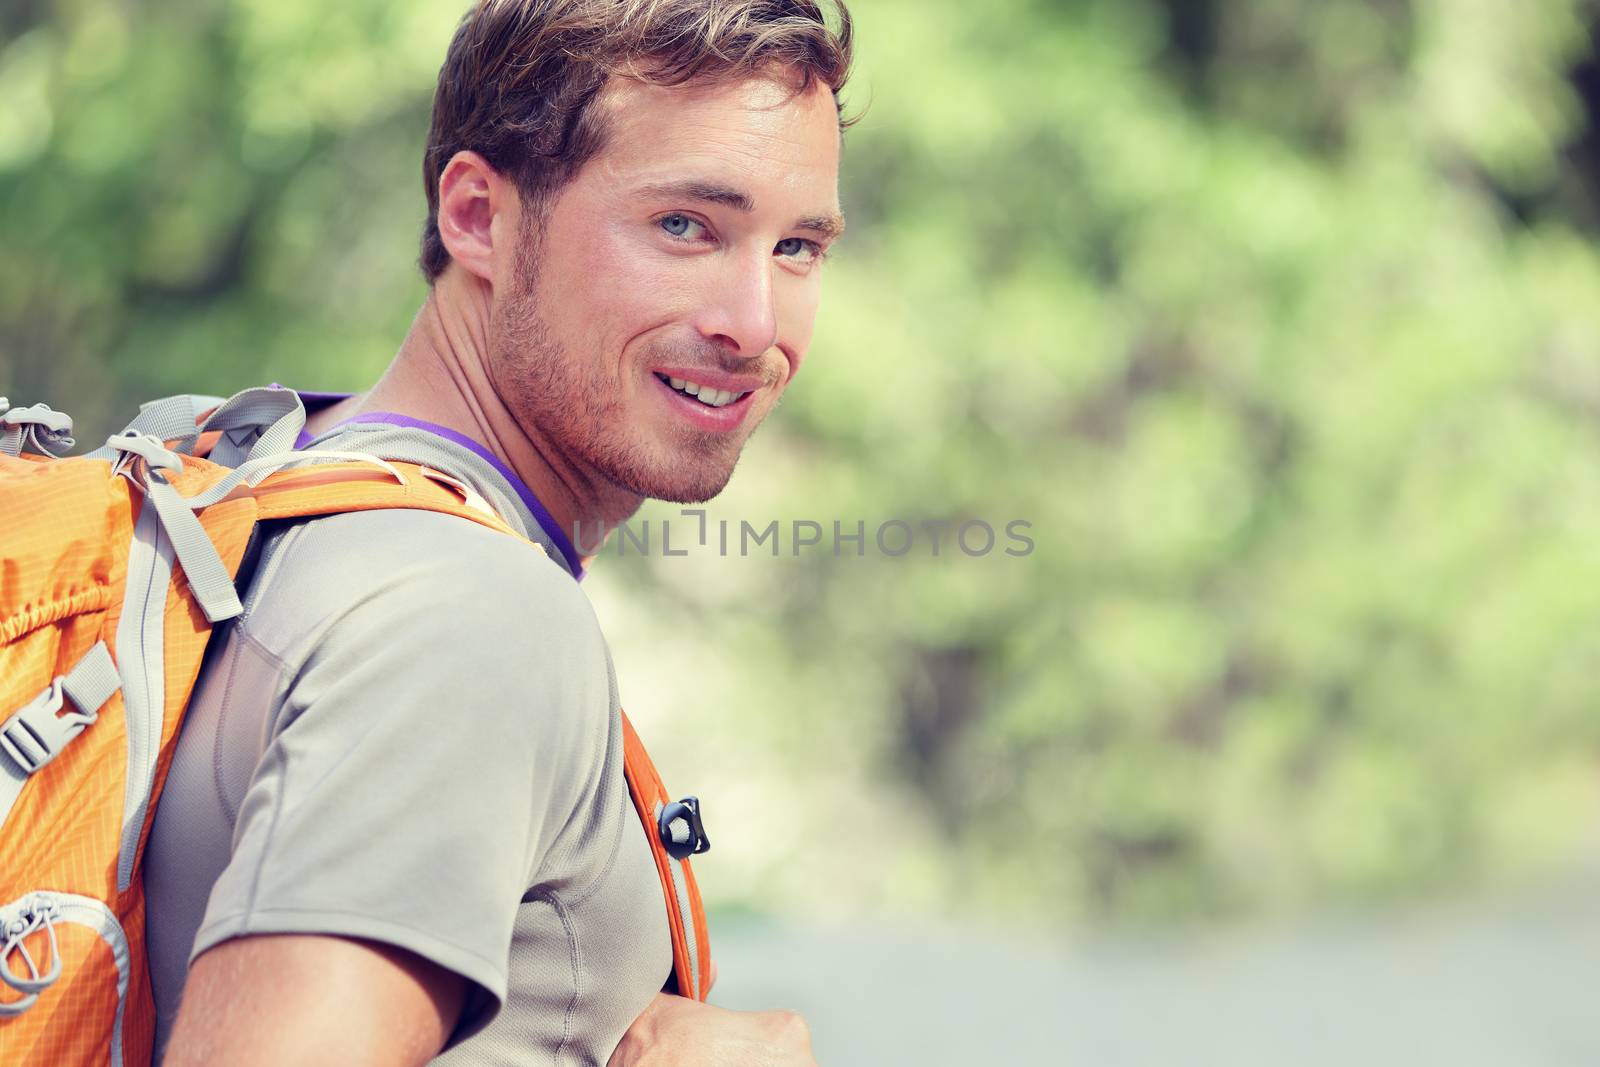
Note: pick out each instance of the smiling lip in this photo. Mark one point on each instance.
(703, 416)
(731, 383)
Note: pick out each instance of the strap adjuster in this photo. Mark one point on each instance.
(38, 429)
(151, 449)
(37, 733)
(682, 833)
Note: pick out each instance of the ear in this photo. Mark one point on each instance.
(472, 194)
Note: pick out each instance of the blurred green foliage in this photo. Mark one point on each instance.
(1278, 319)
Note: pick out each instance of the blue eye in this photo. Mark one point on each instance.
(676, 225)
(798, 247)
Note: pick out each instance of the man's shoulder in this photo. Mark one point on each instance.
(338, 577)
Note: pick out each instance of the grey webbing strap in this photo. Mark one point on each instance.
(281, 435)
(39, 429)
(93, 681)
(172, 418)
(256, 422)
(202, 567)
(38, 732)
(175, 418)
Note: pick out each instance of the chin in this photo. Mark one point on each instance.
(677, 477)
(685, 486)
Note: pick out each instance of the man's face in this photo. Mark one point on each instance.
(689, 249)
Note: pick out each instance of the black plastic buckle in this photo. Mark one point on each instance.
(681, 831)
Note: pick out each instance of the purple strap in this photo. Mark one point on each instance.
(541, 514)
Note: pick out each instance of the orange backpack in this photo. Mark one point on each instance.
(114, 567)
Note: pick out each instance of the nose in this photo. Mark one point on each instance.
(739, 314)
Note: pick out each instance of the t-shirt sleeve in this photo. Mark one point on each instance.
(432, 742)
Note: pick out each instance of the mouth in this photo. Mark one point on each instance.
(705, 394)
(704, 406)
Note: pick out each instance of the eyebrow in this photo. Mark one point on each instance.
(828, 225)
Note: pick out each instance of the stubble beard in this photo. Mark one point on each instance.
(569, 403)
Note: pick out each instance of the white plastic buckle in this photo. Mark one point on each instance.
(38, 428)
(151, 449)
(37, 733)
(56, 422)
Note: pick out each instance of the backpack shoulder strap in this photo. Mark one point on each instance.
(330, 488)
(674, 832)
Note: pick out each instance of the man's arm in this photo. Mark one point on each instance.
(312, 1000)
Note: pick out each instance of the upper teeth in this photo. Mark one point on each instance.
(715, 397)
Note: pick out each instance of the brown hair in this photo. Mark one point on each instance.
(521, 75)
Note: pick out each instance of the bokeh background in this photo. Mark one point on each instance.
(1279, 321)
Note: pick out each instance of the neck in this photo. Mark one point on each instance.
(441, 375)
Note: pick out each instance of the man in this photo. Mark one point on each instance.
(396, 821)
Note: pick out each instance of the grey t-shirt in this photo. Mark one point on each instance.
(413, 735)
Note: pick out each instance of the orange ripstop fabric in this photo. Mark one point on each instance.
(63, 563)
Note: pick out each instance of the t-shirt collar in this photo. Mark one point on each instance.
(547, 524)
